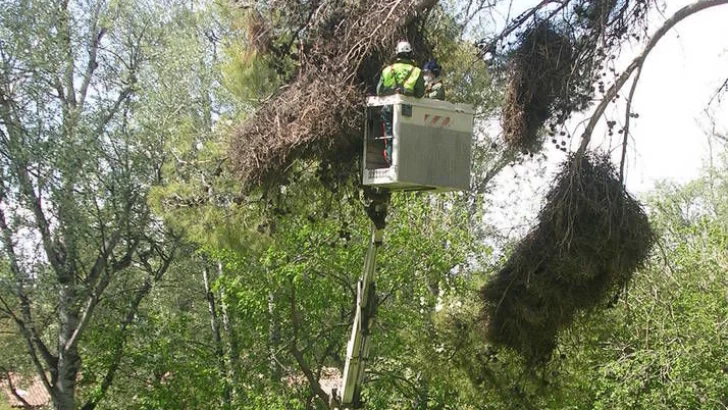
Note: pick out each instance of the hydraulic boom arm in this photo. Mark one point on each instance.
(357, 351)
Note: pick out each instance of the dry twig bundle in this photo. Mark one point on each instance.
(591, 238)
(538, 74)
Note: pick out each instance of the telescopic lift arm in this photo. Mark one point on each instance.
(357, 351)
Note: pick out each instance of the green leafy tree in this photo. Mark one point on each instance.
(76, 166)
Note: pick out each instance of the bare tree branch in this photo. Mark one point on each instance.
(21, 167)
(123, 95)
(638, 61)
(95, 38)
(28, 331)
(469, 16)
(627, 117)
(152, 277)
(494, 170)
(108, 247)
(66, 36)
(489, 46)
(723, 87)
(93, 299)
(12, 389)
(6, 309)
(298, 355)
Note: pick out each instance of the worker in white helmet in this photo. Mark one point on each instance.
(401, 77)
(433, 83)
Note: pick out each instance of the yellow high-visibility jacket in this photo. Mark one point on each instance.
(402, 77)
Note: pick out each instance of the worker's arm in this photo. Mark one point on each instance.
(419, 90)
(381, 88)
(437, 91)
(380, 85)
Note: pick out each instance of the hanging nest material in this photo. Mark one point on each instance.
(591, 238)
(319, 114)
(538, 73)
(559, 62)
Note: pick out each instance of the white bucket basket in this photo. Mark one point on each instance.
(430, 145)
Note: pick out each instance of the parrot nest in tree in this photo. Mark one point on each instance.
(319, 114)
(590, 239)
(559, 62)
(539, 70)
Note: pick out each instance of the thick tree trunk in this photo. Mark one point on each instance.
(69, 362)
(63, 394)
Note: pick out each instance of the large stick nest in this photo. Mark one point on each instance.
(559, 61)
(319, 114)
(538, 74)
(590, 239)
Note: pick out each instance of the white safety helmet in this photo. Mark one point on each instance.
(404, 47)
